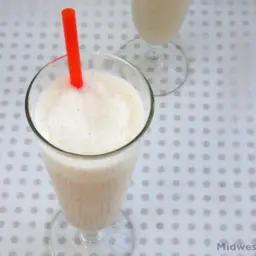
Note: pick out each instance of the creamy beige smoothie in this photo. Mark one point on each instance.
(158, 20)
(103, 116)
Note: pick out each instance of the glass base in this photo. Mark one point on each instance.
(165, 66)
(66, 240)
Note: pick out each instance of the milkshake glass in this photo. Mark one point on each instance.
(161, 61)
(91, 187)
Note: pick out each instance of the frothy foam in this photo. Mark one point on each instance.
(101, 117)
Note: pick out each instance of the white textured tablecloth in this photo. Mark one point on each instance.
(194, 185)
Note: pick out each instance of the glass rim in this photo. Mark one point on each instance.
(91, 156)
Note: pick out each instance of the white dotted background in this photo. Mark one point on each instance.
(195, 182)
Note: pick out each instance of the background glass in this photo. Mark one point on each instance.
(90, 188)
(162, 62)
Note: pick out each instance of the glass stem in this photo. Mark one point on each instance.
(153, 52)
(91, 237)
(154, 56)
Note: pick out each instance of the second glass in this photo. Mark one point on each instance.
(162, 62)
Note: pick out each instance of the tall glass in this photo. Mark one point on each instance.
(90, 188)
(162, 62)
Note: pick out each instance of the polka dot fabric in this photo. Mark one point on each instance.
(194, 185)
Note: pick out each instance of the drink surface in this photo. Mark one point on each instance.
(105, 115)
(158, 20)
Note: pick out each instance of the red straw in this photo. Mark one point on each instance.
(72, 47)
